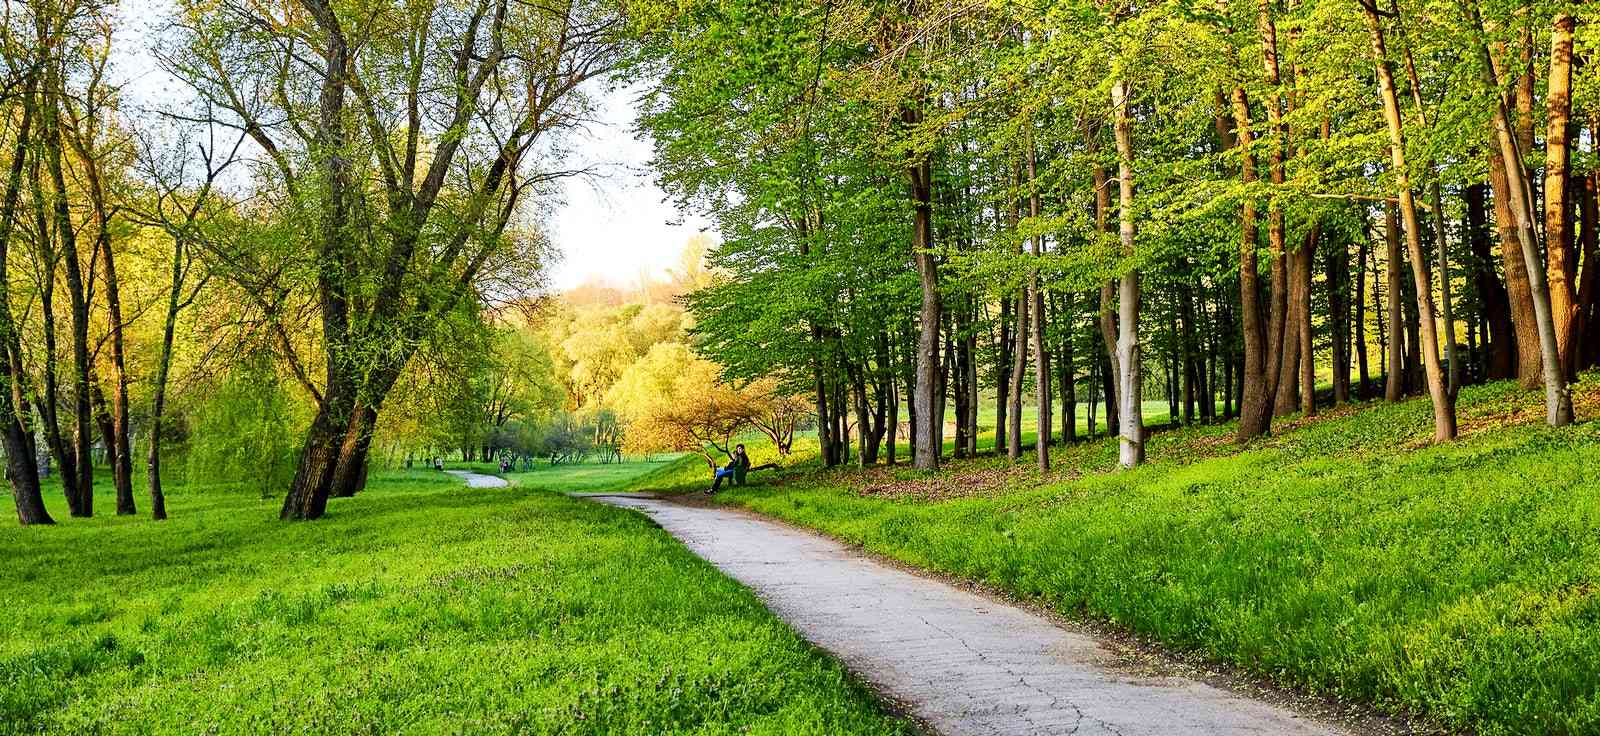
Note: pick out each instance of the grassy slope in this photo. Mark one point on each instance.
(1346, 555)
(591, 476)
(417, 607)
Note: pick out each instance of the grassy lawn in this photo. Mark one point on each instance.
(1343, 555)
(591, 476)
(417, 607)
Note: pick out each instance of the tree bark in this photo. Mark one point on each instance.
(1002, 377)
(1558, 398)
(1130, 390)
(1255, 404)
(930, 415)
(1562, 262)
(1041, 357)
(1394, 377)
(22, 470)
(1444, 413)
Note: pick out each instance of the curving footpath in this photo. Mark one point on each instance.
(479, 480)
(959, 662)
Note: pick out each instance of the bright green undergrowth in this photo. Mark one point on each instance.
(419, 606)
(590, 476)
(1347, 556)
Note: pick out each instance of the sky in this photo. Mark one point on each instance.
(617, 227)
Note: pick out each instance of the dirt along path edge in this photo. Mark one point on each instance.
(959, 662)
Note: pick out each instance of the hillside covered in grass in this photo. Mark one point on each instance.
(1345, 554)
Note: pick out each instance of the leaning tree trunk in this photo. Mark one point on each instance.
(1558, 398)
(1444, 411)
(67, 235)
(307, 498)
(21, 470)
(1130, 394)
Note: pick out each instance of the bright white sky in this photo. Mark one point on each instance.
(616, 227)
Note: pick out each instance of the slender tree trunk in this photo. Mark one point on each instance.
(929, 414)
(1019, 364)
(1002, 377)
(1364, 374)
(1131, 390)
(66, 235)
(1394, 378)
(1255, 403)
(120, 448)
(1303, 328)
(1107, 318)
(1041, 357)
(158, 404)
(1444, 413)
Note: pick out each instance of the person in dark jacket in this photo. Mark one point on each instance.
(735, 470)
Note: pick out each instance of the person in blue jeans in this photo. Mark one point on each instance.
(736, 469)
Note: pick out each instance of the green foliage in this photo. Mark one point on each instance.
(433, 609)
(245, 432)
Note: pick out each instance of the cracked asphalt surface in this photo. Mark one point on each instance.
(958, 662)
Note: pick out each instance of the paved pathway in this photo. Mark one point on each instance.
(962, 663)
(479, 480)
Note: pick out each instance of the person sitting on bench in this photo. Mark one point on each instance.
(735, 470)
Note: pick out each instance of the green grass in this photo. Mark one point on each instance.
(419, 606)
(592, 476)
(1346, 556)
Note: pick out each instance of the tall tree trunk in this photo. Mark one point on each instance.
(1303, 328)
(1130, 391)
(1019, 361)
(1519, 294)
(22, 471)
(1106, 317)
(66, 236)
(1562, 262)
(120, 449)
(1394, 377)
(1336, 269)
(1041, 357)
(1002, 377)
(1065, 368)
(930, 414)
(1255, 403)
(158, 404)
(1558, 398)
(307, 498)
(1364, 374)
(1444, 412)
